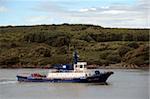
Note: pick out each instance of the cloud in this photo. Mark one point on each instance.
(65, 11)
(114, 12)
(83, 10)
(104, 7)
(3, 9)
(49, 6)
(36, 19)
(87, 9)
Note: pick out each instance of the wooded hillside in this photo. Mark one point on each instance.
(40, 45)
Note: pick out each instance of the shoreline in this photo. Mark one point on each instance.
(111, 66)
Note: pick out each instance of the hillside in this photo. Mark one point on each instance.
(46, 45)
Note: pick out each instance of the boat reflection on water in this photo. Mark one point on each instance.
(101, 83)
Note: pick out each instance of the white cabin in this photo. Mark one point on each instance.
(78, 72)
(80, 66)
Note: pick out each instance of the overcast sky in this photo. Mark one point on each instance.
(106, 13)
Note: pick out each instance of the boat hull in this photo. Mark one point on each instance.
(92, 79)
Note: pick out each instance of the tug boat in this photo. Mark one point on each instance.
(68, 73)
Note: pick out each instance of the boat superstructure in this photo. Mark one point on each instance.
(78, 72)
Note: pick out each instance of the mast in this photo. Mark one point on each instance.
(75, 57)
(68, 52)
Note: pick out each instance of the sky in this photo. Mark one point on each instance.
(106, 13)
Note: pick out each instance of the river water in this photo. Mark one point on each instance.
(123, 84)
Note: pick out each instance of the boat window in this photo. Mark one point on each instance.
(81, 66)
(64, 66)
(97, 72)
(76, 66)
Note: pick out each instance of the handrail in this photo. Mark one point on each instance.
(64, 71)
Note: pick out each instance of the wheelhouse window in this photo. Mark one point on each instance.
(76, 66)
(81, 66)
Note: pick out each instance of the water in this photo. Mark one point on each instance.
(123, 84)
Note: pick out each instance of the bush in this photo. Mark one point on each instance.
(104, 62)
(123, 50)
(113, 58)
(104, 54)
(133, 45)
(61, 41)
(42, 51)
(38, 37)
(62, 50)
(98, 62)
(53, 39)
(127, 37)
(136, 60)
(11, 60)
(137, 56)
(87, 38)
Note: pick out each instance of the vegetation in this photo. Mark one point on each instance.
(42, 45)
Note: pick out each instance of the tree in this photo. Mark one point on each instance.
(133, 45)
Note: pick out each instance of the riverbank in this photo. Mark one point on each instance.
(93, 66)
(119, 66)
(122, 66)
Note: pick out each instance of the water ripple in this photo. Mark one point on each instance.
(7, 81)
